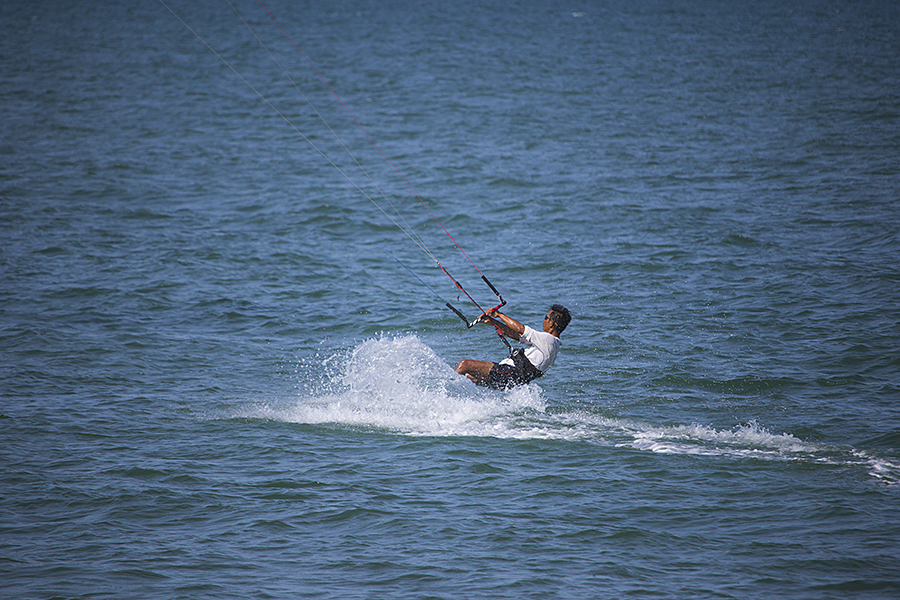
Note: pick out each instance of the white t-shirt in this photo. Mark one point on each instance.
(541, 350)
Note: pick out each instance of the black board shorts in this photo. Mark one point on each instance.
(503, 377)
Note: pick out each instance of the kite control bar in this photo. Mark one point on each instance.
(483, 312)
(462, 316)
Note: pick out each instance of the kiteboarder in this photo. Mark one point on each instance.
(523, 365)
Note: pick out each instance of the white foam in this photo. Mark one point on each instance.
(879, 468)
(401, 385)
(398, 384)
(743, 440)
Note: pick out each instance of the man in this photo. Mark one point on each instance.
(524, 365)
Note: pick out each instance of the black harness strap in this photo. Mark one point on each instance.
(523, 365)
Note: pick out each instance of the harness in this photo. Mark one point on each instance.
(524, 366)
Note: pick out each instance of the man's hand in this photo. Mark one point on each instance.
(507, 326)
(488, 317)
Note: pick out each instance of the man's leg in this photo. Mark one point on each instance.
(476, 370)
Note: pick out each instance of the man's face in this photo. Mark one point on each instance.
(549, 321)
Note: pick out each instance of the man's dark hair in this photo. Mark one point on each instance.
(562, 321)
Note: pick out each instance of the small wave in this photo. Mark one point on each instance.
(883, 470)
(754, 441)
(744, 440)
(399, 385)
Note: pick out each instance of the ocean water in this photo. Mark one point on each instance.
(226, 367)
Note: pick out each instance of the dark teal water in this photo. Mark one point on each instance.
(217, 380)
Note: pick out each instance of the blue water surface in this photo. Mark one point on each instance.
(226, 363)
